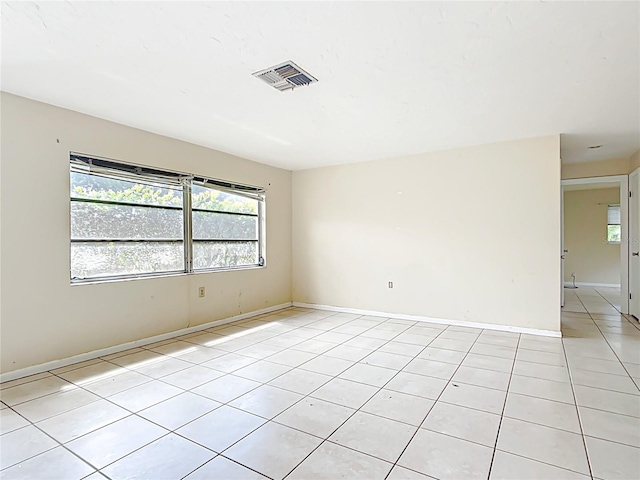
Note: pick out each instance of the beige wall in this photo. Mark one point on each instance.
(43, 317)
(604, 168)
(585, 236)
(634, 161)
(471, 234)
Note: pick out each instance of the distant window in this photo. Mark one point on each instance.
(132, 221)
(613, 224)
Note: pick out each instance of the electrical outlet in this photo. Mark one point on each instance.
(201, 292)
(390, 284)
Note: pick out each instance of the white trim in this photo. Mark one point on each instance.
(442, 321)
(45, 367)
(589, 284)
(588, 180)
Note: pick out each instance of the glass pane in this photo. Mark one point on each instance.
(216, 255)
(613, 233)
(209, 225)
(85, 185)
(100, 221)
(90, 260)
(613, 215)
(210, 199)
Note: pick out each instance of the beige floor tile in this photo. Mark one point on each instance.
(366, 342)
(447, 458)
(331, 461)
(315, 416)
(260, 351)
(74, 366)
(229, 363)
(314, 346)
(369, 374)
(145, 395)
(472, 396)
(346, 352)
(486, 362)
(605, 381)
(35, 389)
(373, 435)
(612, 460)
(262, 371)
(536, 387)
(110, 443)
(227, 388)
(120, 382)
(139, 359)
(166, 366)
(538, 370)
(168, 457)
(414, 339)
(345, 392)
(51, 465)
(398, 406)
(401, 473)
(223, 468)
(291, 358)
(507, 466)
(543, 412)
(80, 421)
(616, 402)
(266, 401)
(464, 423)
(23, 380)
(451, 344)
(45, 407)
(493, 339)
(179, 410)
(273, 449)
(22, 444)
(440, 355)
(431, 368)
(470, 335)
(327, 365)
(192, 377)
(220, 429)
(611, 426)
(300, 381)
(92, 373)
(482, 377)
(544, 444)
(414, 384)
(10, 421)
(494, 350)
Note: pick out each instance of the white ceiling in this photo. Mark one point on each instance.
(394, 78)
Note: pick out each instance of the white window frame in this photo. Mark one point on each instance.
(131, 172)
(617, 205)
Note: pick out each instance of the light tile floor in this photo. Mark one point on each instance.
(308, 394)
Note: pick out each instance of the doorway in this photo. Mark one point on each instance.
(595, 246)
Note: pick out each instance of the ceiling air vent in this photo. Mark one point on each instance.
(285, 76)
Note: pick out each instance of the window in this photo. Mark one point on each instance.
(130, 221)
(613, 224)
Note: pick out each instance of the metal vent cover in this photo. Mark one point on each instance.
(285, 76)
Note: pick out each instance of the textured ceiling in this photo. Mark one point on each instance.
(394, 78)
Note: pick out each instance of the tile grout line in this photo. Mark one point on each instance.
(504, 406)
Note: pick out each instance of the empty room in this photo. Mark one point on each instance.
(320, 240)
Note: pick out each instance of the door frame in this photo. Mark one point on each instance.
(623, 182)
(633, 240)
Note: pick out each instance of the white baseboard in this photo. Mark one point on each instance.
(45, 367)
(588, 284)
(442, 321)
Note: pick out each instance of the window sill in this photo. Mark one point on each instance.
(98, 281)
